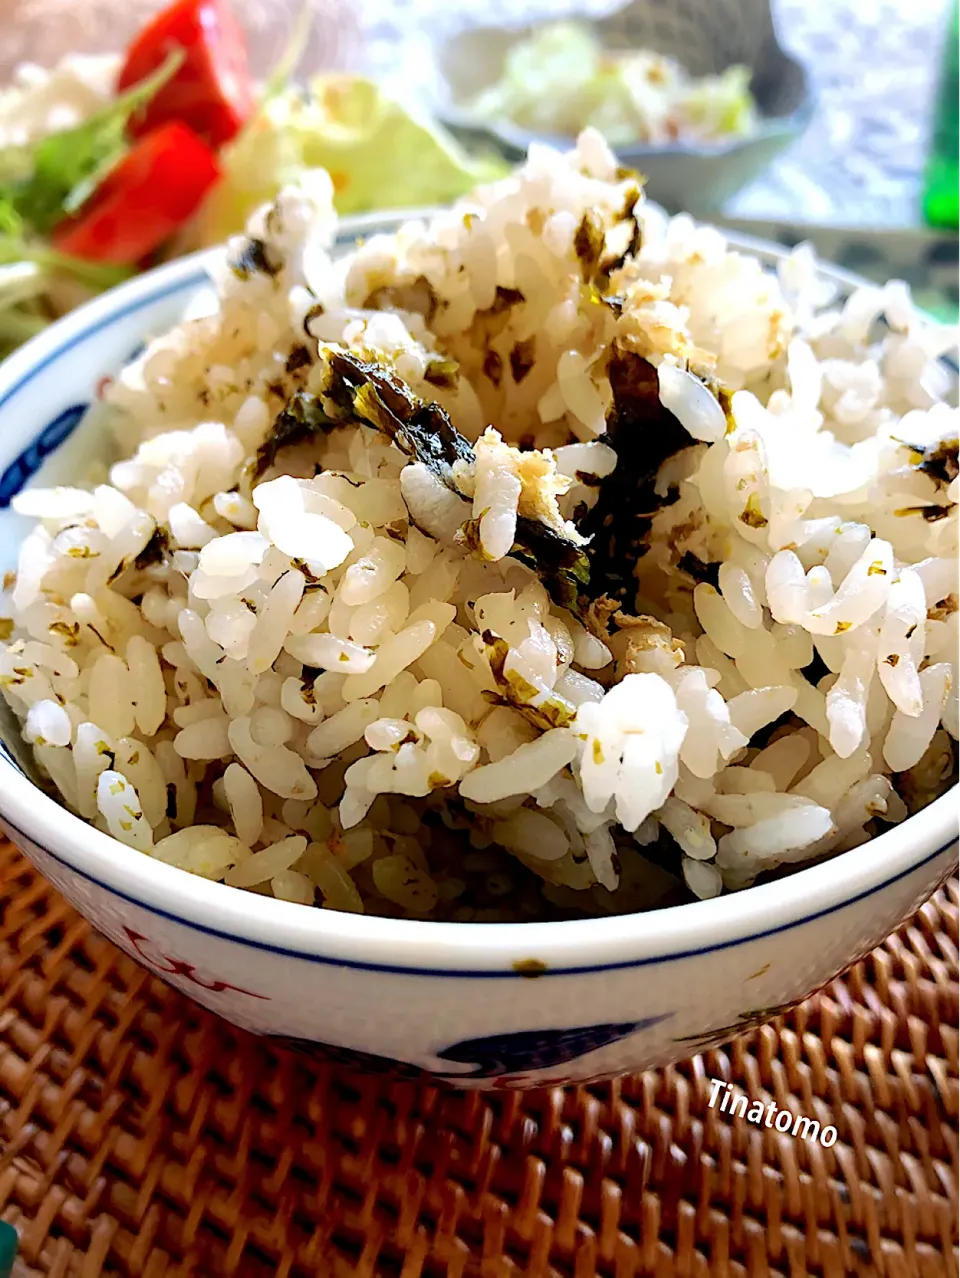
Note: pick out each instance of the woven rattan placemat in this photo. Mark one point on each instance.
(139, 1135)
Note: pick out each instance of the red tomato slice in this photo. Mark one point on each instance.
(212, 90)
(150, 194)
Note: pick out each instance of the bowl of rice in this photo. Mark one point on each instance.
(412, 630)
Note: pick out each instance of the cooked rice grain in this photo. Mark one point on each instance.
(335, 630)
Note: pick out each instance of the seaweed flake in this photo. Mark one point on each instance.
(562, 566)
(522, 358)
(752, 514)
(931, 513)
(490, 322)
(313, 313)
(698, 570)
(298, 358)
(424, 432)
(544, 710)
(588, 242)
(442, 373)
(301, 418)
(493, 367)
(255, 259)
(378, 397)
(418, 297)
(644, 435)
(940, 461)
(468, 538)
(942, 610)
(313, 581)
(155, 551)
(503, 299)
(628, 214)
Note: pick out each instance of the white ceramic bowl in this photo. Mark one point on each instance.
(452, 1000)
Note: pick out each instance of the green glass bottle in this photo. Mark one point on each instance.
(8, 1249)
(940, 188)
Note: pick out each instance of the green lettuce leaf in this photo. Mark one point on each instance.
(95, 275)
(29, 271)
(377, 154)
(47, 181)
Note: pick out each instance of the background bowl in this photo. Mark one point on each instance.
(705, 36)
(498, 1005)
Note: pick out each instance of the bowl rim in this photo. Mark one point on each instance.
(423, 947)
(461, 119)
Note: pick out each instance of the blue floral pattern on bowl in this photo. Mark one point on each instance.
(517, 1053)
(32, 458)
(496, 1056)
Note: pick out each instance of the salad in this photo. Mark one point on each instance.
(110, 163)
(560, 80)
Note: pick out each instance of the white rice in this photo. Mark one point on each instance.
(327, 672)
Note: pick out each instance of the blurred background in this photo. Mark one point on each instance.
(856, 181)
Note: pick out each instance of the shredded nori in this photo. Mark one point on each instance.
(503, 299)
(298, 358)
(442, 373)
(932, 514)
(545, 711)
(698, 570)
(300, 418)
(635, 242)
(254, 259)
(562, 566)
(493, 367)
(588, 242)
(313, 581)
(522, 358)
(315, 311)
(377, 397)
(613, 301)
(941, 611)
(815, 670)
(643, 434)
(155, 551)
(490, 322)
(940, 462)
(418, 296)
(752, 514)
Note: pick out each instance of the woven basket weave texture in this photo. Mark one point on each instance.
(140, 1135)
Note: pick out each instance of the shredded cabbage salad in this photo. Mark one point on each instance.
(561, 80)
